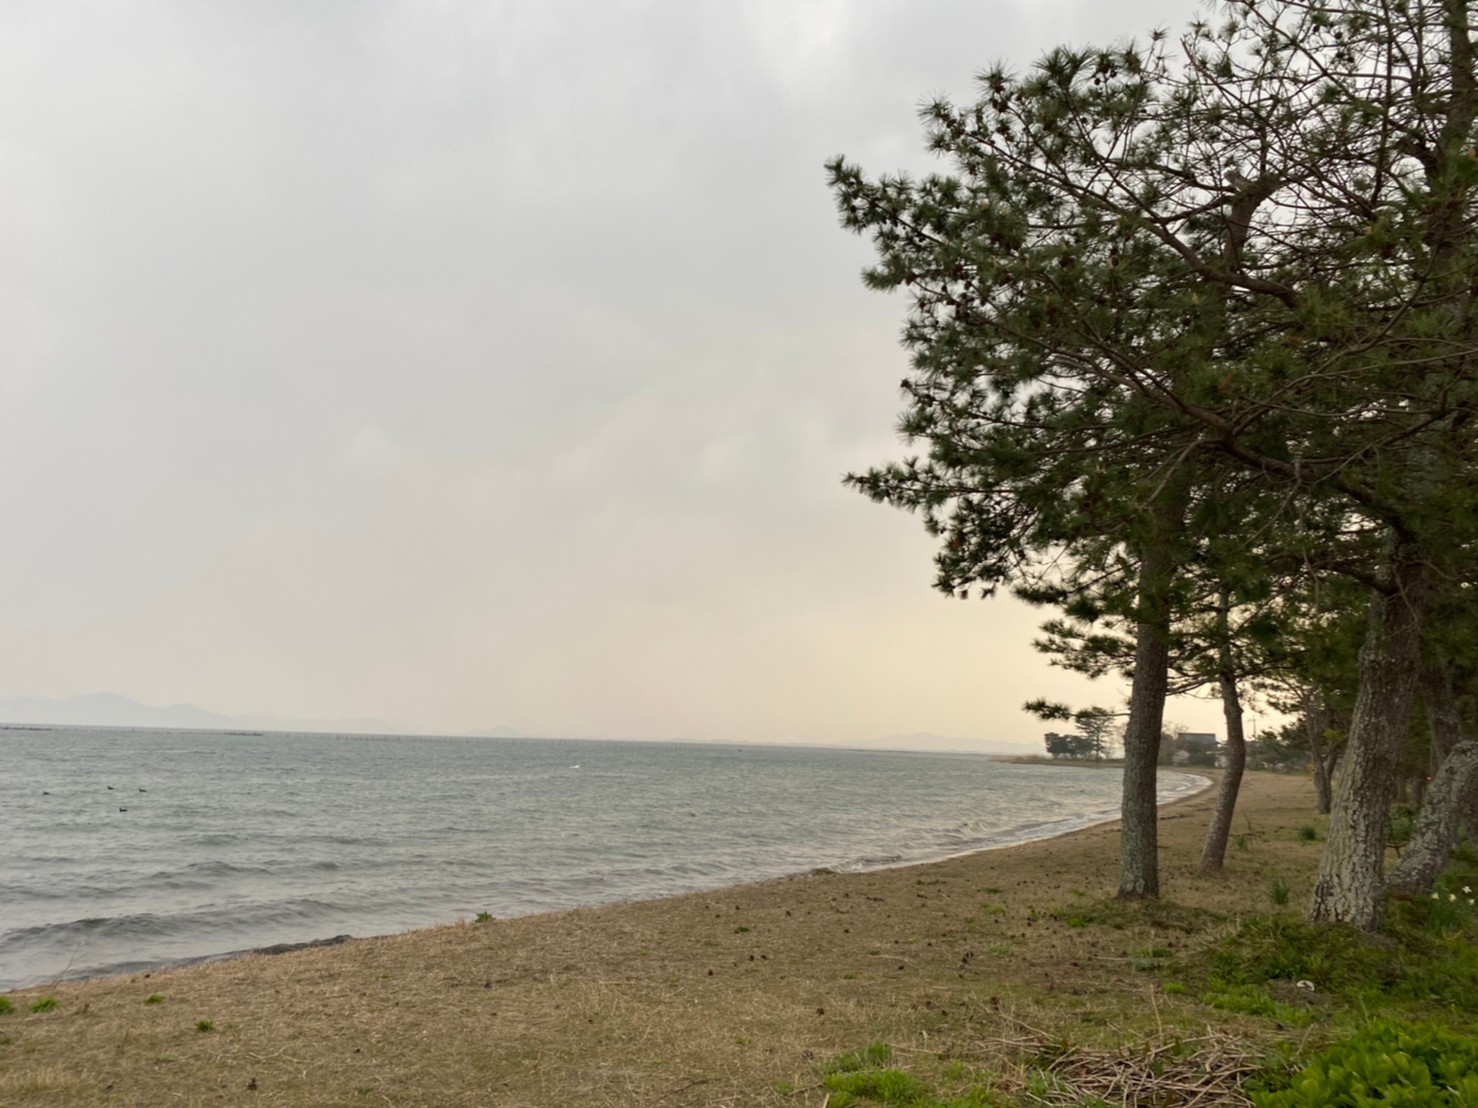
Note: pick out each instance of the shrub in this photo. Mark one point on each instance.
(1388, 1063)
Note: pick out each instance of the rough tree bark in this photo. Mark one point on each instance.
(1139, 866)
(1449, 798)
(1213, 854)
(1350, 887)
(1450, 795)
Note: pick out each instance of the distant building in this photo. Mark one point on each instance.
(1197, 742)
(1194, 748)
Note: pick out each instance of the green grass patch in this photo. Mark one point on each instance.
(1253, 1000)
(1146, 958)
(871, 1056)
(153, 998)
(204, 1026)
(6, 1007)
(45, 1004)
(1121, 915)
(882, 1086)
(1416, 964)
(1287, 948)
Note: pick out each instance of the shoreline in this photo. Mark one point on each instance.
(720, 998)
(1050, 830)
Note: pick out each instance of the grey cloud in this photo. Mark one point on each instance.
(462, 362)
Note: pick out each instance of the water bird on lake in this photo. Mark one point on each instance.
(142, 789)
(123, 809)
(110, 788)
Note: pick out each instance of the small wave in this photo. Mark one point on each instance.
(876, 861)
(216, 920)
(214, 868)
(213, 838)
(146, 924)
(13, 894)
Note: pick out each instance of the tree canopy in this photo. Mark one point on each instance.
(1192, 336)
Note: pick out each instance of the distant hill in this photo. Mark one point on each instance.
(104, 709)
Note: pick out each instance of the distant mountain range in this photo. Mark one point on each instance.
(105, 709)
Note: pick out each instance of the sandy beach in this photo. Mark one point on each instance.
(721, 998)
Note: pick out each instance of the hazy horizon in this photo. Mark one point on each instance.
(110, 712)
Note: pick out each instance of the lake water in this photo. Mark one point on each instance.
(231, 842)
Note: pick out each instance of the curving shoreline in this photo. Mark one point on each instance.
(246, 842)
(705, 998)
(1017, 836)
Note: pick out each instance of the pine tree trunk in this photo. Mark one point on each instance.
(1449, 797)
(1323, 767)
(1316, 723)
(1213, 854)
(1452, 794)
(1139, 864)
(1350, 887)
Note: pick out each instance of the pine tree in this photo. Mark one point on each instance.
(1147, 277)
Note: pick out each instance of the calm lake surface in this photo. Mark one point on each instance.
(232, 842)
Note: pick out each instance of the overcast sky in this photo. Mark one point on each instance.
(473, 364)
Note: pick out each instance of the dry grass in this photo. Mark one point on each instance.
(723, 998)
(1205, 1072)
